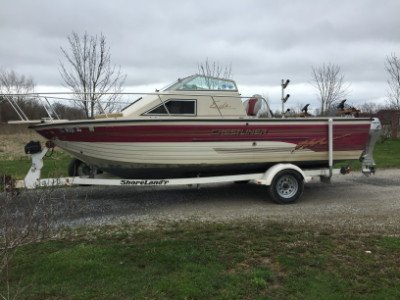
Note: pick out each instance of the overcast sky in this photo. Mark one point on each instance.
(156, 42)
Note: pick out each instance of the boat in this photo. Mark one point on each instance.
(199, 126)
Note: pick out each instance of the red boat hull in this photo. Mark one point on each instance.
(177, 147)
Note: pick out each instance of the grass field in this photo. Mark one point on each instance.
(387, 155)
(197, 261)
(54, 166)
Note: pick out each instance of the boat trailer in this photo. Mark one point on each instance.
(285, 181)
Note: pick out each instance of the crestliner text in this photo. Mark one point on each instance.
(239, 131)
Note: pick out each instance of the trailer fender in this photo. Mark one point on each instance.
(271, 173)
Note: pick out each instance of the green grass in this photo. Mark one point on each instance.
(54, 166)
(387, 154)
(194, 261)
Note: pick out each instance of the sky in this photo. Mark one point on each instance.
(264, 41)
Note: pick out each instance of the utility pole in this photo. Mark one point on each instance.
(284, 98)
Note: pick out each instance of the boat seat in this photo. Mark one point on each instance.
(257, 107)
(253, 106)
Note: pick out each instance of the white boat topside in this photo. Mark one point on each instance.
(193, 96)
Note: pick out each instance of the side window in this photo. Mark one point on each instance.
(159, 110)
(175, 107)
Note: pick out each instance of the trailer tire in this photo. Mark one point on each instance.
(78, 168)
(286, 187)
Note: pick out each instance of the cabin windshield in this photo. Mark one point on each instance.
(202, 83)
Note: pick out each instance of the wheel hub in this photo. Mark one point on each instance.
(287, 186)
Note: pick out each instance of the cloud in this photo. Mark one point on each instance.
(159, 41)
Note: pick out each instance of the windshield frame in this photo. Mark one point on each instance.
(181, 82)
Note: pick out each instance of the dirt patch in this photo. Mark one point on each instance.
(12, 141)
(10, 129)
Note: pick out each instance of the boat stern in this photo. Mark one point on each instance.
(367, 159)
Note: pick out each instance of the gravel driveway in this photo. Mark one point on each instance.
(351, 202)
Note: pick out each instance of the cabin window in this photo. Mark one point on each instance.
(175, 107)
(202, 83)
(208, 83)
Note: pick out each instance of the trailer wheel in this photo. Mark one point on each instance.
(78, 168)
(286, 187)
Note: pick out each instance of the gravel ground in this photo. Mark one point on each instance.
(352, 202)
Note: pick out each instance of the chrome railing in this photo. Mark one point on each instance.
(48, 99)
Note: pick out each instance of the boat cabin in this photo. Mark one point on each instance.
(198, 96)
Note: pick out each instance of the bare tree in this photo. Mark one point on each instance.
(68, 112)
(13, 83)
(213, 69)
(369, 108)
(392, 66)
(88, 72)
(330, 84)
